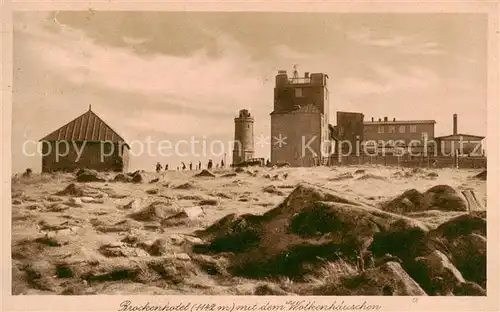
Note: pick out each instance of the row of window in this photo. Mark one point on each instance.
(401, 129)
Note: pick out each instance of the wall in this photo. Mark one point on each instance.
(466, 145)
(407, 161)
(296, 127)
(371, 132)
(90, 157)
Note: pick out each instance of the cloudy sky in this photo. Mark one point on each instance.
(174, 75)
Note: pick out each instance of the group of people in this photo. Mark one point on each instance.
(183, 166)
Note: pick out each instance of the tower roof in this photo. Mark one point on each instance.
(86, 127)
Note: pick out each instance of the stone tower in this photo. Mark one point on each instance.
(299, 121)
(243, 137)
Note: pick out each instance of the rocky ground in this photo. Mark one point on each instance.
(257, 231)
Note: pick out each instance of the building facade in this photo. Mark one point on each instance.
(299, 121)
(243, 149)
(349, 132)
(459, 143)
(85, 142)
(398, 136)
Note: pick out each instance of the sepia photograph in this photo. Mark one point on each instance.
(249, 154)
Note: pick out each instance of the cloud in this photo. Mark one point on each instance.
(216, 85)
(389, 80)
(400, 43)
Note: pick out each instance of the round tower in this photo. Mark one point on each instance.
(243, 137)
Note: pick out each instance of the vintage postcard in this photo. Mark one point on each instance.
(250, 157)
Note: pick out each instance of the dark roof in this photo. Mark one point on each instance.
(399, 122)
(86, 127)
(458, 135)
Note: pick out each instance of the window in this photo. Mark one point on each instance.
(380, 129)
(413, 128)
(298, 92)
(425, 136)
(392, 129)
(402, 129)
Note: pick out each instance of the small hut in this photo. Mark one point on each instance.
(85, 142)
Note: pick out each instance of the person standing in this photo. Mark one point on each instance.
(190, 165)
(158, 167)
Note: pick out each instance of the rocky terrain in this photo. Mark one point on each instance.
(253, 231)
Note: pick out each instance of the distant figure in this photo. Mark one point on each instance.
(183, 165)
(199, 165)
(166, 167)
(190, 165)
(222, 163)
(268, 163)
(210, 164)
(177, 168)
(158, 167)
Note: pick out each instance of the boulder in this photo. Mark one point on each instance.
(123, 178)
(205, 173)
(389, 279)
(86, 175)
(310, 226)
(437, 274)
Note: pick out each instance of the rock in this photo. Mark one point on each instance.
(230, 175)
(469, 289)
(272, 189)
(481, 176)
(159, 247)
(205, 173)
(75, 202)
(269, 290)
(208, 202)
(17, 202)
(432, 175)
(35, 206)
(239, 170)
(122, 178)
(370, 176)
(437, 265)
(120, 250)
(91, 200)
(185, 216)
(387, 279)
(72, 190)
(87, 175)
(154, 180)
(153, 191)
(360, 171)
(137, 178)
(57, 207)
(469, 256)
(53, 199)
(444, 197)
(312, 223)
(155, 211)
(185, 186)
(183, 256)
(440, 197)
(177, 239)
(342, 176)
(134, 204)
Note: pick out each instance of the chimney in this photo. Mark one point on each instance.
(455, 126)
(386, 119)
(373, 119)
(306, 74)
(380, 119)
(394, 119)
